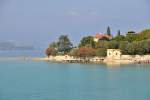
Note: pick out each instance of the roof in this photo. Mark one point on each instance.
(102, 36)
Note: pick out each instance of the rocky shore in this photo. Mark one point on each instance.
(125, 59)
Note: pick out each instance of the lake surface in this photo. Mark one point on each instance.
(26, 80)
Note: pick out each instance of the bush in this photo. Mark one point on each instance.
(135, 48)
(50, 52)
(85, 52)
(101, 52)
(73, 52)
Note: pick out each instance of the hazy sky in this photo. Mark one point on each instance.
(38, 22)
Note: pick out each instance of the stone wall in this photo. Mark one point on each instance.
(135, 57)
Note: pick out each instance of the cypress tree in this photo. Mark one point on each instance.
(108, 31)
(119, 33)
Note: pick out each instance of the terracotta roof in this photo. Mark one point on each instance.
(102, 36)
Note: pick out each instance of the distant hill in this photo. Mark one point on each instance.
(11, 46)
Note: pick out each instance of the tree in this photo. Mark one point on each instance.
(87, 41)
(123, 47)
(131, 36)
(135, 48)
(101, 52)
(64, 44)
(119, 33)
(108, 31)
(86, 52)
(145, 46)
(119, 37)
(112, 45)
(50, 52)
(101, 44)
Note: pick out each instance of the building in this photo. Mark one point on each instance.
(114, 54)
(101, 37)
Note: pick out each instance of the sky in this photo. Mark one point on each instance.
(39, 22)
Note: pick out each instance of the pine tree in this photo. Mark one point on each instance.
(64, 44)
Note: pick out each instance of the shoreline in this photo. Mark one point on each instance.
(96, 60)
(135, 59)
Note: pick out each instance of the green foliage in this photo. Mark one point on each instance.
(119, 37)
(131, 36)
(73, 52)
(101, 52)
(123, 46)
(107, 44)
(64, 44)
(101, 44)
(87, 41)
(146, 46)
(132, 48)
(135, 48)
(86, 52)
(112, 45)
(50, 52)
(145, 34)
(108, 31)
(136, 43)
(131, 44)
(119, 33)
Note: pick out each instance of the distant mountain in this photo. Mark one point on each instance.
(11, 46)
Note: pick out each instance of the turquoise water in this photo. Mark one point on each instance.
(22, 80)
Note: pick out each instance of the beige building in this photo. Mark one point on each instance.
(114, 54)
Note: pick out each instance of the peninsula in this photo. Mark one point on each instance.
(131, 47)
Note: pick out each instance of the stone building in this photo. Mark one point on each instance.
(114, 54)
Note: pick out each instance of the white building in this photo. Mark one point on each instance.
(114, 54)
